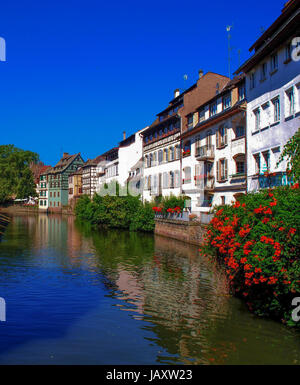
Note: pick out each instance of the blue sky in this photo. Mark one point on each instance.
(78, 73)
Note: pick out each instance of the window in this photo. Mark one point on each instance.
(222, 170)
(190, 122)
(240, 131)
(257, 119)
(264, 71)
(242, 92)
(252, 80)
(45, 203)
(274, 62)
(221, 137)
(177, 152)
(160, 156)
(290, 102)
(213, 109)
(257, 163)
(54, 194)
(201, 115)
(165, 180)
(41, 203)
(57, 204)
(240, 164)
(288, 52)
(58, 194)
(50, 194)
(276, 103)
(172, 153)
(226, 101)
(166, 155)
(172, 179)
(266, 161)
(187, 175)
(223, 200)
(70, 191)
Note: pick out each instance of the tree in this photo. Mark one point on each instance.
(291, 151)
(16, 178)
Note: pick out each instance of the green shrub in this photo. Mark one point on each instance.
(257, 240)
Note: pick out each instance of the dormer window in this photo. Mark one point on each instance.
(190, 122)
(213, 109)
(226, 101)
(201, 115)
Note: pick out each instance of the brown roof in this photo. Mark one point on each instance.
(93, 162)
(64, 162)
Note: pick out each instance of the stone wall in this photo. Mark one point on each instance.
(190, 232)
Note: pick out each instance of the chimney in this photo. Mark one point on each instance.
(65, 154)
(200, 72)
(124, 135)
(176, 93)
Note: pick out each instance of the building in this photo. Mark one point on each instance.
(89, 176)
(108, 168)
(58, 180)
(162, 150)
(118, 164)
(273, 96)
(214, 167)
(40, 176)
(75, 186)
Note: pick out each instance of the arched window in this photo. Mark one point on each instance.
(171, 153)
(160, 156)
(166, 155)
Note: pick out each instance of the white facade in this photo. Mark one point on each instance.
(273, 113)
(43, 193)
(162, 167)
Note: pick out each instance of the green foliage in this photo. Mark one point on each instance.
(258, 242)
(169, 202)
(122, 212)
(291, 153)
(16, 178)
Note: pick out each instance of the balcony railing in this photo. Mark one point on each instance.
(205, 152)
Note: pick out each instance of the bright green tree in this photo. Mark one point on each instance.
(16, 178)
(291, 152)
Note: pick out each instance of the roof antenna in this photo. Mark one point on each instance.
(228, 29)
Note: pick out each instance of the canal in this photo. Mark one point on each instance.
(77, 296)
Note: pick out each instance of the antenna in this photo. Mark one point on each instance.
(185, 78)
(239, 56)
(228, 29)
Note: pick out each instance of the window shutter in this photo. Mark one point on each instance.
(226, 168)
(218, 170)
(177, 177)
(217, 138)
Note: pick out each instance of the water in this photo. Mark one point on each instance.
(76, 296)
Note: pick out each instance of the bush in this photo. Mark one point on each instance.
(257, 240)
(123, 212)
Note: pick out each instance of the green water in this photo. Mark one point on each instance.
(77, 296)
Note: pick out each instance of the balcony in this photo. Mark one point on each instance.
(205, 152)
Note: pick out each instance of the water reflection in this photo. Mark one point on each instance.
(166, 291)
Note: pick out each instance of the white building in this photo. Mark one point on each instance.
(214, 171)
(119, 163)
(273, 96)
